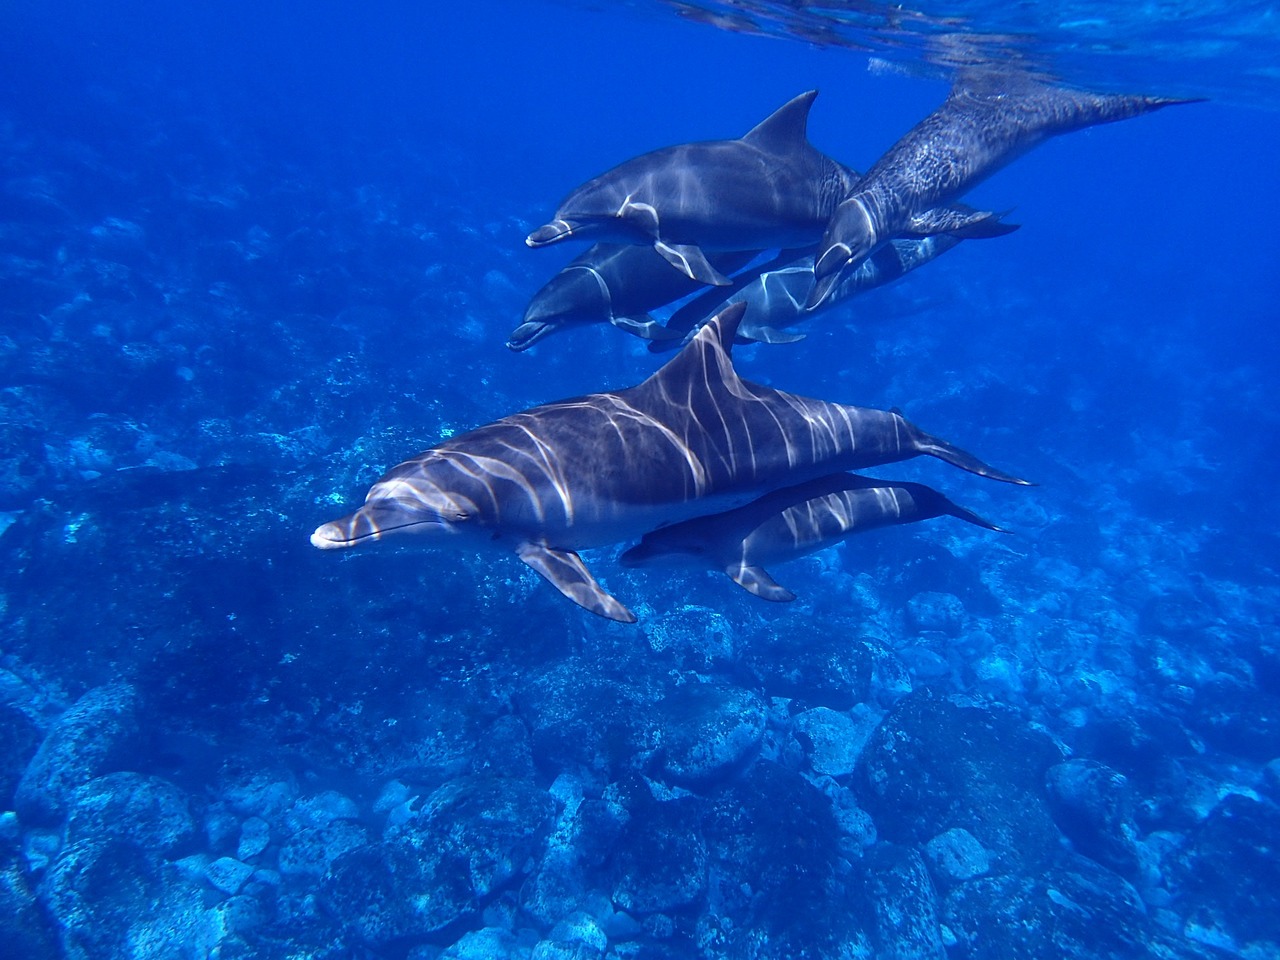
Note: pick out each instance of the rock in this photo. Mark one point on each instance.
(896, 904)
(504, 750)
(94, 737)
(19, 738)
(319, 810)
(939, 612)
(832, 741)
(25, 931)
(1073, 909)
(310, 851)
(255, 836)
(1238, 719)
(821, 668)
(773, 849)
(1228, 875)
(111, 897)
(661, 859)
(582, 719)
(956, 855)
(148, 811)
(708, 731)
(388, 891)
(1093, 806)
(228, 874)
(936, 763)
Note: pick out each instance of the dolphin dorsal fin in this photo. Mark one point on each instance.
(709, 350)
(786, 129)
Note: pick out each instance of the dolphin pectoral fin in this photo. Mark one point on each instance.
(565, 571)
(647, 328)
(689, 259)
(764, 334)
(757, 580)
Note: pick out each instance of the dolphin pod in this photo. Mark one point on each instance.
(692, 439)
(700, 466)
(791, 523)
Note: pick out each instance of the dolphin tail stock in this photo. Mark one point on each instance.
(756, 580)
(949, 453)
(565, 571)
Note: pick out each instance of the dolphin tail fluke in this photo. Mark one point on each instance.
(949, 453)
(955, 510)
(985, 227)
(757, 580)
(565, 571)
(689, 259)
(647, 328)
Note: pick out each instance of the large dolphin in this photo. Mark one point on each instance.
(986, 122)
(776, 298)
(769, 189)
(791, 523)
(692, 439)
(612, 283)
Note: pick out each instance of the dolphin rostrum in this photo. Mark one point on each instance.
(692, 439)
(612, 283)
(986, 122)
(791, 523)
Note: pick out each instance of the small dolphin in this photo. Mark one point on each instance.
(692, 439)
(791, 523)
(771, 188)
(612, 283)
(985, 123)
(776, 298)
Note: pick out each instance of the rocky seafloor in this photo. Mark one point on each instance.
(215, 741)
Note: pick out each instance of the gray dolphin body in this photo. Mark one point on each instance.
(693, 439)
(612, 283)
(770, 188)
(985, 123)
(776, 299)
(791, 523)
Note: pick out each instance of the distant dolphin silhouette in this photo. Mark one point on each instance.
(791, 523)
(612, 283)
(986, 122)
(692, 439)
(769, 189)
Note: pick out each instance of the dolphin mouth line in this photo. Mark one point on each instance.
(324, 543)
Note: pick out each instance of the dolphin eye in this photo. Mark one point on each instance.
(459, 517)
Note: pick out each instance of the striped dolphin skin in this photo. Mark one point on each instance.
(986, 122)
(790, 523)
(692, 439)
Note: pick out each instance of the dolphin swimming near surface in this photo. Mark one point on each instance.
(769, 189)
(776, 298)
(612, 283)
(986, 122)
(692, 439)
(791, 523)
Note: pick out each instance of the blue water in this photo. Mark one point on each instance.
(251, 256)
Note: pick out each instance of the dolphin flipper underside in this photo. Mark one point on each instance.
(565, 571)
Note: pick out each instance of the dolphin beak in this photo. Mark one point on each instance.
(550, 233)
(333, 535)
(527, 334)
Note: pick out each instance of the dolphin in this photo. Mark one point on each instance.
(692, 439)
(612, 283)
(776, 298)
(986, 122)
(769, 188)
(791, 523)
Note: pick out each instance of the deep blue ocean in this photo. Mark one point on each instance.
(252, 255)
